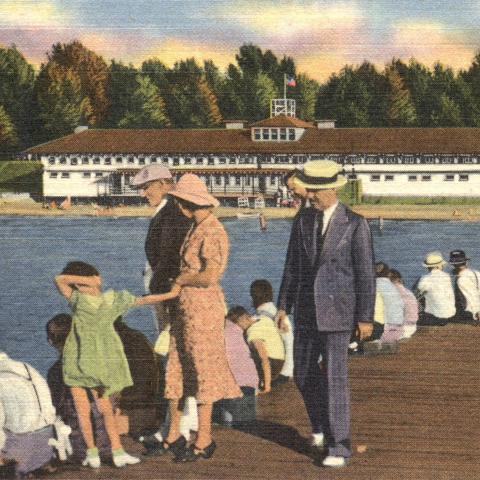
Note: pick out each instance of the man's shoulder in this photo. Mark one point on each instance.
(350, 214)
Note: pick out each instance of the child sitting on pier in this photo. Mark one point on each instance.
(94, 361)
(264, 339)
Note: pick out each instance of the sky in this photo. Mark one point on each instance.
(321, 35)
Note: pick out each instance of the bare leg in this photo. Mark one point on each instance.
(105, 408)
(82, 405)
(204, 438)
(175, 408)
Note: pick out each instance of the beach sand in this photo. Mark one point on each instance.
(387, 212)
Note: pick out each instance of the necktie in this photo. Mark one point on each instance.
(319, 235)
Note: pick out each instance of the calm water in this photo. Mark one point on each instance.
(34, 249)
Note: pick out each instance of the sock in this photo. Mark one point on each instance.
(92, 452)
(118, 452)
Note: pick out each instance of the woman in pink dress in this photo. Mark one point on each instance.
(197, 364)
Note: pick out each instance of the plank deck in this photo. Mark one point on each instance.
(417, 412)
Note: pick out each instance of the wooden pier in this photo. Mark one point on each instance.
(415, 415)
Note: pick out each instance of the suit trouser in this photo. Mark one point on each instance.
(321, 375)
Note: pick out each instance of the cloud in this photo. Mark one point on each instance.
(174, 49)
(32, 14)
(289, 20)
(429, 42)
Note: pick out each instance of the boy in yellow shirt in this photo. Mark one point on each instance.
(264, 339)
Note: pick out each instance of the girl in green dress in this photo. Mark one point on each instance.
(93, 356)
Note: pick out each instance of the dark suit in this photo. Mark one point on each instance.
(167, 231)
(330, 291)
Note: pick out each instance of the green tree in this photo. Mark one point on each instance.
(345, 98)
(264, 90)
(306, 97)
(377, 88)
(401, 111)
(122, 85)
(210, 115)
(230, 98)
(8, 134)
(59, 101)
(447, 113)
(92, 71)
(147, 109)
(16, 92)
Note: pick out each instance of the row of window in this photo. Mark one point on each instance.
(274, 134)
(84, 174)
(175, 161)
(411, 160)
(415, 178)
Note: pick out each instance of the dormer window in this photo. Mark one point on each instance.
(274, 133)
(266, 134)
(257, 134)
(283, 134)
(291, 134)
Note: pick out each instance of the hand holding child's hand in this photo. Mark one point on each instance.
(281, 321)
(264, 389)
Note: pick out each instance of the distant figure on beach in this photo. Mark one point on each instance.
(329, 283)
(94, 361)
(435, 290)
(467, 289)
(263, 222)
(27, 416)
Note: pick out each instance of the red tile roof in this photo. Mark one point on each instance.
(314, 141)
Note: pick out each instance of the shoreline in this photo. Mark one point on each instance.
(469, 213)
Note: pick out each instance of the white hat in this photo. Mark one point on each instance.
(434, 259)
(320, 175)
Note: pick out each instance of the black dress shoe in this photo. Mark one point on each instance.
(193, 453)
(176, 448)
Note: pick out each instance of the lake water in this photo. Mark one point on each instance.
(35, 249)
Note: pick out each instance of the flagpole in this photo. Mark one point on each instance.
(285, 87)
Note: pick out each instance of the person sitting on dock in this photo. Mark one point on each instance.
(467, 289)
(261, 292)
(436, 291)
(27, 416)
(410, 312)
(238, 412)
(265, 342)
(394, 305)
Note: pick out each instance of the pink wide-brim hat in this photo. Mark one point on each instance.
(192, 189)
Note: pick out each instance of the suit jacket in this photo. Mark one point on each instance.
(335, 287)
(167, 231)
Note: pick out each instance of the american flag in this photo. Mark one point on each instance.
(291, 82)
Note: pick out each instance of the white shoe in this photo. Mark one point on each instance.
(334, 462)
(93, 462)
(317, 440)
(125, 459)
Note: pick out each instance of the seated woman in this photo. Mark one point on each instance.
(265, 342)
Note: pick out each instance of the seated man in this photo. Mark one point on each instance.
(261, 292)
(27, 416)
(265, 342)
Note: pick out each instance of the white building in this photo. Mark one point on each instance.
(242, 160)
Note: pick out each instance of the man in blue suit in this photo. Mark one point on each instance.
(329, 283)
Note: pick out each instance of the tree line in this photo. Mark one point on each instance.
(77, 87)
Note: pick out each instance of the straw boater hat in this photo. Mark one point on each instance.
(434, 259)
(320, 175)
(193, 190)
